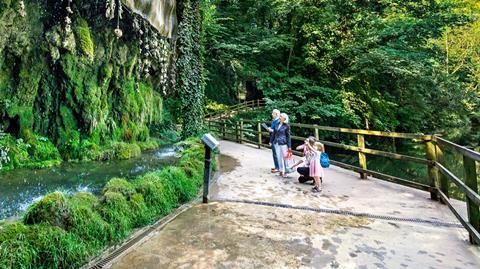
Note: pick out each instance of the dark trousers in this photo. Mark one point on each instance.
(304, 174)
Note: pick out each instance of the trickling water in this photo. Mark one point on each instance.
(21, 187)
(160, 13)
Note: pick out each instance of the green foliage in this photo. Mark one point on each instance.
(83, 34)
(52, 209)
(158, 194)
(189, 65)
(65, 232)
(365, 64)
(116, 211)
(51, 87)
(37, 152)
(119, 185)
(126, 151)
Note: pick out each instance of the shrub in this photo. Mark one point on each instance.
(56, 248)
(116, 211)
(159, 196)
(61, 232)
(52, 209)
(119, 185)
(141, 213)
(149, 144)
(12, 231)
(86, 222)
(125, 151)
(185, 188)
(17, 253)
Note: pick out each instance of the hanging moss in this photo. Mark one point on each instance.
(83, 88)
(83, 35)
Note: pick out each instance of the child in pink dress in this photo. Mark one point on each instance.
(311, 159)
(314, 150)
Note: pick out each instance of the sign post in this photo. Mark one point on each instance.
(210, 144)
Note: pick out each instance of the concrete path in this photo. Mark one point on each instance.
(244, 229)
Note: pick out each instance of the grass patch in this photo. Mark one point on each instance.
(66, 232)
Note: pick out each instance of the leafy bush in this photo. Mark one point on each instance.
(65, 232)
(119, 185)
(125, 151)
(52, 209)
(158, 194)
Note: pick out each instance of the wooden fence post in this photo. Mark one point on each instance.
(237, 132)
(432, 174)
(362, 158)
(443, 179)
(241, 131)
(317, 136)
(259, 129)
(470, 170)
(224, 129)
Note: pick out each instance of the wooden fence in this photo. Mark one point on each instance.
(439, 177)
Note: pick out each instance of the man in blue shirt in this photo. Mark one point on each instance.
(272, 129)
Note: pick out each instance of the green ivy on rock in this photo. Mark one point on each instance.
(190, 84)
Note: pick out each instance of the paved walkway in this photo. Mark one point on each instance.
(245, 229)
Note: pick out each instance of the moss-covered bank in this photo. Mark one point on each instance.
(66, 231)
(67, 77)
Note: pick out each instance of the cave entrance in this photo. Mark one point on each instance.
(12, 125)
(253, 93)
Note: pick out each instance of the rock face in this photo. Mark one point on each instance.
(67, 74)
(160, 13)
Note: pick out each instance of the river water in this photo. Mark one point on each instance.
(21, 187)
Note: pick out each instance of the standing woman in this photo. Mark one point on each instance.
(282, 142)
(272, 129)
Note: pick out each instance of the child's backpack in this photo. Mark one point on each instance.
(324, 160)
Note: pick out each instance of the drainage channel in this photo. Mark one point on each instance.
(345, 213)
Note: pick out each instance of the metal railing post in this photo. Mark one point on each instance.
(362, 158)
(470, 170)
(432, 173)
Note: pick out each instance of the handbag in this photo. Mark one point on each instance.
(289, 162)
(324, 160)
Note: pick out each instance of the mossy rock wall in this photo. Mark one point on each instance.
(82, 83)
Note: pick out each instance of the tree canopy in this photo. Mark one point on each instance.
(394, 65)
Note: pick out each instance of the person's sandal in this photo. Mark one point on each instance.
(274, 170)
(316, 189)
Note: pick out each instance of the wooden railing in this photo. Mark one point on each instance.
(235, 108)
(439, 177)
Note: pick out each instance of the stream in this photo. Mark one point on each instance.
(21, 187)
